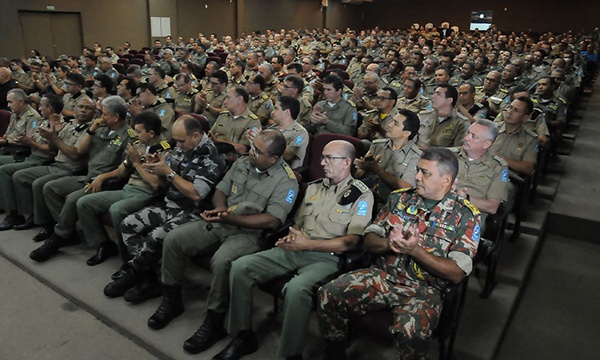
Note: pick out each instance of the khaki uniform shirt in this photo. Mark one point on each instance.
(230, 128)
(262, 106)
(366, 131)
(321, 216)
(185, 102)
(305, 110)
(296, 138)
(342, 118)
(495, 103)
(216, 101)
(71, 134)
(166, 92)
(167, 116)
(448, 132)
(70, 101)
(521, 145)
(25, 123)
(417, 105)
(485, 178)
(401, 163)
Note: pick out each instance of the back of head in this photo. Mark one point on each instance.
(274, 140)
(150, 121)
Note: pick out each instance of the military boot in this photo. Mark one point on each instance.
(120, 286)
(170, 308)
(210, 332)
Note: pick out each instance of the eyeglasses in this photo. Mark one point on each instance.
(256, 150)
(329, 158)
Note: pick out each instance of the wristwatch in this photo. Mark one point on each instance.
(171, 176)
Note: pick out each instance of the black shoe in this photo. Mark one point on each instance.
(105, 250)
(148, 289)
(28, 224)
(209, 333)
(170, 308)
(44, 234)
(120, 286)
(47, 250)
(242, 344)
(10, 221)
(121, 272)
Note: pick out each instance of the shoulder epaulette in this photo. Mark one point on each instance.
(455, 149)
(351, 195)
(500, 160)
(370, 111)
(265, 97)
(504, 91)
(288, 170)
(563, 100)
(253, 116)
(379, 141)
(426, 112)
(131, 133)
(351, 103)
(477, 88)
(532, 133)
(316, 181)
(469, 205)
(401, 190)
(224, 112)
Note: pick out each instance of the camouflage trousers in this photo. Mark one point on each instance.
(144, 231)
(416, 309)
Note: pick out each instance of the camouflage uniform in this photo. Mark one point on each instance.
(342, 119)
(143, 232)
(105, 154)
(401, 163)
(326, 212)
(118, 203)
(29, 183)
(248, 192)
(449, 230)
(449, 132)
(230, 128)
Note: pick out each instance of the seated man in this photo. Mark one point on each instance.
(412, 99)
(334, 213)
(141, 188)
(192, 172)
(423, 239)
(257, 194)
(334, 114)
(376, 121)
(105, 143)
(482, 176)
(392, 161)
(148, 99)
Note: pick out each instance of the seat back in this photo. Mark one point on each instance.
(4, 121)
(315, 169)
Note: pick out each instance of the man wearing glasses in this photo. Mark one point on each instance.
(212, 104)
(73, 94)
(491, 96)
(413, 100)
(376, 120)
(330, 220)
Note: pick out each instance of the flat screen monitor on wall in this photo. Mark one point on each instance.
(481, 19)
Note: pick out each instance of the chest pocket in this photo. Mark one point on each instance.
(438, 240)
(241, 192)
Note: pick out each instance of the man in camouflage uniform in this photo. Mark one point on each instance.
(260, 104)
(331, 218)
(482, 176)
(231, 125)
(339, 118)
(193, 170)
(29, 183)
(186, 94)
(137, 193)
(391, 161)
(105, 142)
(256, 194)
(423, 239)
(443, 126)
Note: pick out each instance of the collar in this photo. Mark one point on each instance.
(340, 187)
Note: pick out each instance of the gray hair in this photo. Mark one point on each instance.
(492, 129)
(116, 106)
(19, 94)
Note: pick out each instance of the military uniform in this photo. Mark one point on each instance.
(520, 145)
(231, 128)
(71, 101)
(29, 183)
(216, 101)
(458, 80)
(272, 191)
(326, 212)
(448, 229)
(448, 132)
(342, 118)
(184, 103)
(296, 138)
(417, 105)
(429, 85)
(118, 203)
(23, 79)
(143, 232)
(167, 116)
(554, 108)
(262, 106)
(478, 111)
(401, 163)
(271, 90)
(367, 131)
(495, 103)
(166, 92)
(305, 111)
(105, 154)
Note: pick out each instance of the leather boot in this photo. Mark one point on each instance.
(120, 286)
(170, 308)
(47, 250)
(210, 332)
(148, 288)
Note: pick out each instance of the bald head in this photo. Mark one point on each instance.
(4, 75)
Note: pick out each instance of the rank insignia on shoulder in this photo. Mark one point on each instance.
(252, 116)
(131, 133)
(165, 144)
(289, 171)
(470, 206)
(401, 190)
